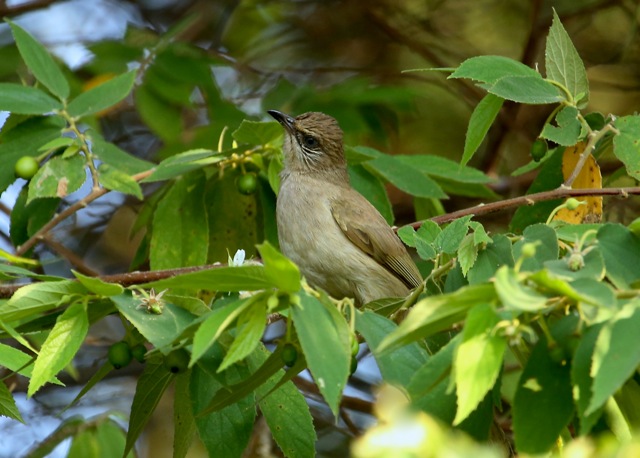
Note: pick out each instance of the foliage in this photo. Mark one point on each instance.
(536, 325)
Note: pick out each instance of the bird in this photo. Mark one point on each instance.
(337, 238)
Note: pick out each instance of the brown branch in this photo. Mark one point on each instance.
(95, 194)
(530, 199)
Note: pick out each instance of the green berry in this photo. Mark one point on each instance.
(354, 365)
(289, 354)
(177, 361)
(138, 352)
(247, 183)
(538, 149)
(120, 354)
(355, 347)
(26, 167)
(528, 250)
(573, 203)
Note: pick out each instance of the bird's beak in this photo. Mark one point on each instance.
(284, 119)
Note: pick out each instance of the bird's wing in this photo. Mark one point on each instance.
(363, 225)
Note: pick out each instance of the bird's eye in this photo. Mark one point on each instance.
(309, 141)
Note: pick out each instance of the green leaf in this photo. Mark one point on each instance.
(164, 118)
(39, 298)
(408, 235)
(58, 177)
(8, 406)
(626, 144)
(151, 386)
(620, 250)
(516, 296)
(497, 254)
(115, 157)
(481, 119)
(450, 238)
(57, 143)
(26, 220)
(546, 243)
(214, 324)
(371, 188)
(61, 345)
(286, 411)
(97, 286)
(436, 313)
(251, 325)
(443, 168)
(563, 64)
(543, 404)
(159, 329)
(526, 89)
(257, 133)
(225, 433)
(40, 62)
(116, 180)
(26, 100)
(103, 96)
(397, 367)
(478, 360)
(182, 163)
(326, 353)
(616, 356)
(180, 234)
(490, 69)
(242, 278)
(183, 419)
(404, 177)
(569, 129)
(467, 254)
(581, 378)
(280, 270)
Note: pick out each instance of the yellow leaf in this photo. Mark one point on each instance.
(589, 177)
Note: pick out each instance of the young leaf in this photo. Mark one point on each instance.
(251, 325)
(563, 63)
(283, 273)
(543, 404)
(61, 345)
(26, 100)
(182, 241)
(58, 177)
(103, 96)
(116, 180)
(40, 62)
(478, 360)
(626, 146)
(436, 313)
(38, 298)
(481, 119)
(616, 355)
(321, 342)
(151, 386)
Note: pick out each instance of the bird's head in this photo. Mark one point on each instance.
(313, 142)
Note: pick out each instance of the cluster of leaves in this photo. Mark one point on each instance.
(538, 325)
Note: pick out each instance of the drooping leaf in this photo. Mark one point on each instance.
(481, 119)
(61, 345)
(103, 96)
(563, 63)
(324, 348)
(40, 62)
(478, 360)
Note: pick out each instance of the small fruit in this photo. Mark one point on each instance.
(355, 346)
(573, 203)
(354, 365)
(528, 250)
(120, 354)
(138, 352)
(177, 361)
(26, 167)
(289, 354)
(247, 183)
(538, 149)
